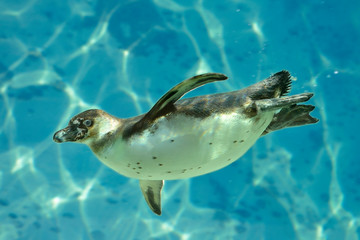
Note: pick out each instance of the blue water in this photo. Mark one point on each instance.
(58, 58)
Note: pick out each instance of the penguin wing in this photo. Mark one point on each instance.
(166, 105)
(151, 190)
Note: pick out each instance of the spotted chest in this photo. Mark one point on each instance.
(183, 147)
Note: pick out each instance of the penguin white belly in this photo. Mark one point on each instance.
(184, 147)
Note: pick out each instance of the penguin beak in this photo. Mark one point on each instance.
(64, 135)
(71, 133)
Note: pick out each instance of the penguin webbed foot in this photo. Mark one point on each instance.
(291, 116)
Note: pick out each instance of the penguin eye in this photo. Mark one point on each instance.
(88, 123)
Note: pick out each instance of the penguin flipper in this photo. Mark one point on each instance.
(151, 190)
(166, 105)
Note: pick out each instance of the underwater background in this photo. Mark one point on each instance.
(58, 58)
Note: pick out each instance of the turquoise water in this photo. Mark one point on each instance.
(58, 58)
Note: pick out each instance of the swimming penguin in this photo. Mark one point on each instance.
(190, 137)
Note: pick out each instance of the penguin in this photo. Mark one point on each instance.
(183, 138)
